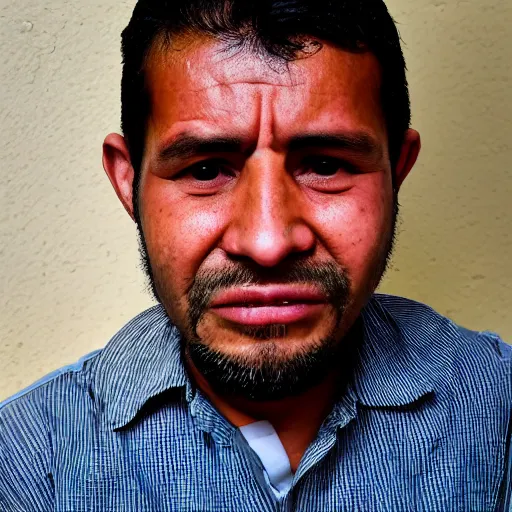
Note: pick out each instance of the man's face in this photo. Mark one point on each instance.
(294, 188)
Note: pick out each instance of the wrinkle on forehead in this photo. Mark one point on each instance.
(207, 62)
(239, 92)
(243, 66)
(250, 72)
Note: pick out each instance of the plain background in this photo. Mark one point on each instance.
(69, 266)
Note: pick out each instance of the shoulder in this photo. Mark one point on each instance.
(27, 418)
(77, 376)
(450, 351)
(37, 393)
(469, 374)
(415, 319)
(27, 424)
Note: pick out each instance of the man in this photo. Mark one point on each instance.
(264, 146)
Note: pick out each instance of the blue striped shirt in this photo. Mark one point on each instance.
(424, 426)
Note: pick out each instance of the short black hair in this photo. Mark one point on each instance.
(283, 29)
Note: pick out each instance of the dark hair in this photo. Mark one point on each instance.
(282, 29)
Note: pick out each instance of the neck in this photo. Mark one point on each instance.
(296, 419)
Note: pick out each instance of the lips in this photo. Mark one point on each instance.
(266, 304)
(262, 305)
(278, 295)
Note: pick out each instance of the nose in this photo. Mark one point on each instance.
(268, 221)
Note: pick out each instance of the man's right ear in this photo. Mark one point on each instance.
(119, 169)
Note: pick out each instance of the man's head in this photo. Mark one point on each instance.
(264, 145)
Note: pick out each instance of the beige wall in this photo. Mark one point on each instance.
(68, 255)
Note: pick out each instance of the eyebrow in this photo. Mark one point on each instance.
(186, 145)
(360, 143)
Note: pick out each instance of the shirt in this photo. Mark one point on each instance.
(265, 442)
(424, 425)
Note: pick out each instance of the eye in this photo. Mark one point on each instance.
(207, 171)
(326, 174)
(206, 177)
(326, 165)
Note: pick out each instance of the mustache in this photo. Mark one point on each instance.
(332, 279)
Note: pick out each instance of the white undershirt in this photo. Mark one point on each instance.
(265, 442)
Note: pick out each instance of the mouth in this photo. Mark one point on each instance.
(263, 314)
(269, 305)
(277, 303)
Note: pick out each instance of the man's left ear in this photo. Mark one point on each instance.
(408, 155)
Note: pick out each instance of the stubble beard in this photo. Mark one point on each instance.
(269, 369)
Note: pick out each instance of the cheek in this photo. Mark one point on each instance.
(180, 232)
(355, 228)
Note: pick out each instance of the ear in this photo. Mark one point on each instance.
(408, 155)
(119, 169)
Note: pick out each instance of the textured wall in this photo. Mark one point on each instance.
(68, 254)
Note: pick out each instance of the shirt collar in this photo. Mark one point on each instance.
(143, 359)
(394, 366)
(140, 362)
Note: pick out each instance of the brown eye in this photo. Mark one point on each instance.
(206, 171)
(324, 165)
(327, 166)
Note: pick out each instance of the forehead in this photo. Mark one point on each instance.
(202, 81)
